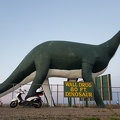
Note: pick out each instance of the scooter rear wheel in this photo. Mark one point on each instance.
(38, 105)
(13, 104)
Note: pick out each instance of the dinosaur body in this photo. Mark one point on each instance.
(49, 58)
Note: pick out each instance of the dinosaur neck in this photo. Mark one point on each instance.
(111, 45)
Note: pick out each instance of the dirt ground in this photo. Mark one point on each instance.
(58, 113)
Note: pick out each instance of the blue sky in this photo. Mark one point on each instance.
(27, 23)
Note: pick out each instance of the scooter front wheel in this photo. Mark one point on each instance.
(13, 104)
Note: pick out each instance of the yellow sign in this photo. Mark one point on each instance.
(78, 89)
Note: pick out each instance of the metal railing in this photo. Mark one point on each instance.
(59, 99)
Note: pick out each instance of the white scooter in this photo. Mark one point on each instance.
(35, 101)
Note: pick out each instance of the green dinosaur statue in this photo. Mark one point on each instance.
(52, 57)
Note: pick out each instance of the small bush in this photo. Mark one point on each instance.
(91, 119)
(114, 118)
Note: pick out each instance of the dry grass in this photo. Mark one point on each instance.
(59, 113)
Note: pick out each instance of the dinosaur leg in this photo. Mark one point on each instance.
(41, 72)
(87, 77)
(48, 92)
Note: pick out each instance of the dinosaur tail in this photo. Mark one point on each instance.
(24, 69)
